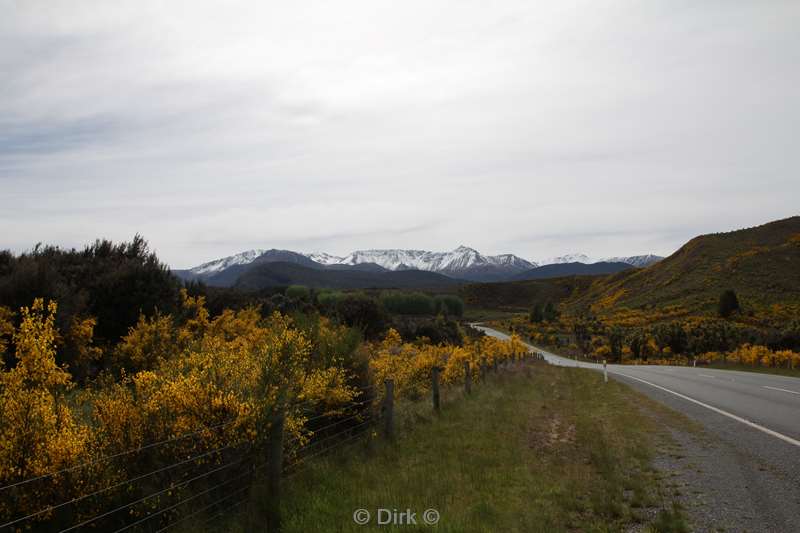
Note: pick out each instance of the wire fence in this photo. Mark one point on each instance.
(210, 483)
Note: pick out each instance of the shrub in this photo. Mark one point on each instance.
(728, 303)
(362, 312)
(449, 305)
(408, 303)
(298, 292)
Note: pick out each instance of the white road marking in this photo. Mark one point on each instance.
(782, 390)
(707, 376)
(744, 421)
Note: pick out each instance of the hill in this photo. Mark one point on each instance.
(520, 295)
(275, 274)
(762, 264)
(558, 270)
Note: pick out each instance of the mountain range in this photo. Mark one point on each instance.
(462, 264)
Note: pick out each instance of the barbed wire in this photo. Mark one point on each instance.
(203, 509)
(157, 493)
(114, 486)
(329, 426)
(334, 435)
(225, 510)
(185, 500)
(50, 508)
(116, 455)
(293, 469)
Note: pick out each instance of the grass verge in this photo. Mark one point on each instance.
(537, 449)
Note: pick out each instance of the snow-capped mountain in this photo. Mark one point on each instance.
(639, 261)
(463, 260)
(324, 259)
(462, 263)
(218, 265)
(568, 258)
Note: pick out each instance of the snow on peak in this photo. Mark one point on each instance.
(218, 265)
(640, 261)
(460, 259)
(568, 258)
(324, 258)
(634, 260)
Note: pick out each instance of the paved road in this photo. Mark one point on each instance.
(756, 418)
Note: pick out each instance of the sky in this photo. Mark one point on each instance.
(535, 128)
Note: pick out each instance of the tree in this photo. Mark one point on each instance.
(362, 312)
(637, 342)
(298, 292)
(582, 335)
(550, 312)
(616, 337)
(449, 304)
(536, 315)
(728, 303)
(672, 336)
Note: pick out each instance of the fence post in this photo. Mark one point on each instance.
(605, 371)
(435, 387)
(274, 471)
(388, 413)
(483, 369)
(467, 378)
(494, 365)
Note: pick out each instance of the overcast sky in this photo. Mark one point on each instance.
(537, 128)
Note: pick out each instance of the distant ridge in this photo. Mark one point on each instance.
(462, 263)
(278, 274)
(572, 269)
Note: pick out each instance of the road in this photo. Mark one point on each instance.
(756, 421)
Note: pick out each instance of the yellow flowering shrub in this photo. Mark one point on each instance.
(6, 330)
(38, 431)
(410, 364)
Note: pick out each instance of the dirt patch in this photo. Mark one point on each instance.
(550, 433)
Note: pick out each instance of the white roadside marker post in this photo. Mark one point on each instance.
(605, 371)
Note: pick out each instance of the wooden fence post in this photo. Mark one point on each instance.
(494, 365)
(467, 378)
(274, 471)
(435, 387)
(388, 413)
(483, 369)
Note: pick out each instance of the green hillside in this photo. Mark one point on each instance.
(520, 295)
(762, 264)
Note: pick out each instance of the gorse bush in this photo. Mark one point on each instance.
(410, 364)
(227, 375)
(208, 387)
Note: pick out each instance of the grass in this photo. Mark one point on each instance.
(538, 449)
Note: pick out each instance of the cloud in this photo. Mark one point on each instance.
(535, 128)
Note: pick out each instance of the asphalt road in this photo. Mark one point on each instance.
(755, 464)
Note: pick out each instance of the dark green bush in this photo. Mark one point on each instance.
(449, 304)
(408, 303)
